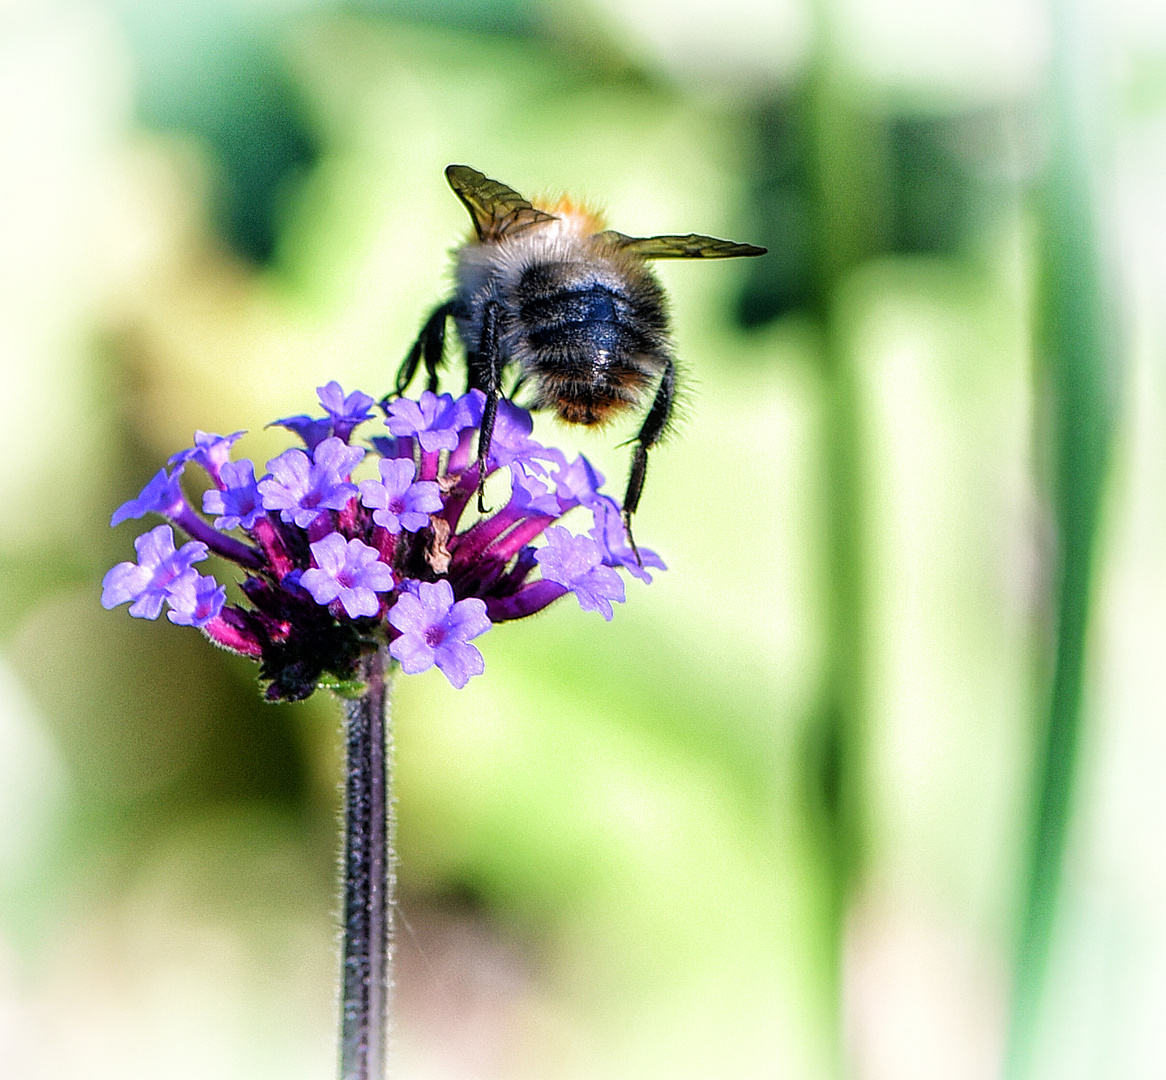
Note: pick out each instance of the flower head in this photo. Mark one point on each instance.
(238, 503)
(398, 500)
(350, 573)
(436, 630)
(154, 578)
(432, 419)
(333, 569)
(302, 488)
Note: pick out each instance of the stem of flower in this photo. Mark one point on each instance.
(370, 877)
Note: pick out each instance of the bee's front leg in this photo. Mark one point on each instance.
(486, 375)
(430, 345)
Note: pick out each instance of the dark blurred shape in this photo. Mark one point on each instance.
(516, 18)
(215, 72)
(778, 215)
(931, 185)
(937, 181)
(951, 175)
(1078, 339)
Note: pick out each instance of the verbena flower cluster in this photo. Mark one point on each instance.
(336, 567)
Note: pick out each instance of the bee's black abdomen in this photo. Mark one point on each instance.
(595, 317)
(591, 345)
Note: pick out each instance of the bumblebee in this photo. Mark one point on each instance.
(571, 305)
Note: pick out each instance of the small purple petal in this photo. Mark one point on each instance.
(337, 457)
(432, 420)
(576, 562)
(123, 583)
(349, 572)
(579, 482)
(531, 494)
(467, 619)
(310, 429)
(435, 630)
(393, 447)
(467, 410)
(238, 503)
(162, 495)
(195, 599)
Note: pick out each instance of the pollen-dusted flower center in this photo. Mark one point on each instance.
(434, 636)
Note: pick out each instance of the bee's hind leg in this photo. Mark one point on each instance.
(654, 426)
(430, 345)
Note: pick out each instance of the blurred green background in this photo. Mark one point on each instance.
(867, 785)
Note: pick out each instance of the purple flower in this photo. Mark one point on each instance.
(152, 579)
(349, 572)
(610, 533)
(467, 410)
(162, 495)
(578, 483)
(210, 451)
(345, 412)
(237, 504)
(529, 493)
(311, 430)
(432, 420)
(435, 630)
(397, 500)
(332, 570)
(195, 599)
(301, 489)
(510, 440)
(576, 563)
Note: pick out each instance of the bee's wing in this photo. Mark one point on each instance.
(692, 246)
(495, 208)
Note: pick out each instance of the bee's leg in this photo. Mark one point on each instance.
(430, 344)
(654, 426)
(486, 374)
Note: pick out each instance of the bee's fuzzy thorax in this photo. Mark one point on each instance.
(577, 216)
(496, 267)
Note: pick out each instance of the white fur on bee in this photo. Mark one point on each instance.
(492, 269)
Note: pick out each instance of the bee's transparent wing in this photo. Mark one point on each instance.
(495, 208)
(692, 246)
